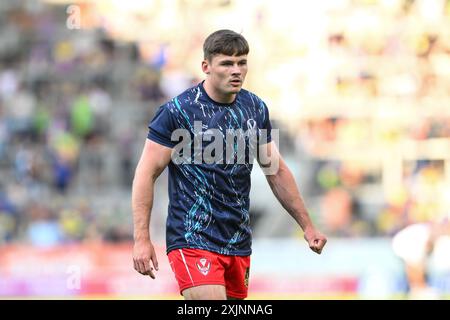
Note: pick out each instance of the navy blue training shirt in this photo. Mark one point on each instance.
(209, 202)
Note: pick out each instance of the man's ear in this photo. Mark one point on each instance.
(205, 66)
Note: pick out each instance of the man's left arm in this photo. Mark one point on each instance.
(285, 189)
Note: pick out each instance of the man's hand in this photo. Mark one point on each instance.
(143, 253)
(315, 239)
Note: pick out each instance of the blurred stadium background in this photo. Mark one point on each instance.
(360, 90)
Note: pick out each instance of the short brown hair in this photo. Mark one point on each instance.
(225, 42)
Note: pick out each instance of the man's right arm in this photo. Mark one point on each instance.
(154, 159)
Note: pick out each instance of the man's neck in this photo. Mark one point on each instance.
(216, 96)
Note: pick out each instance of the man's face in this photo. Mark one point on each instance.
(225, 73)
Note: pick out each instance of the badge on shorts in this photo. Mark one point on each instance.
(204, 266)
(247, 275)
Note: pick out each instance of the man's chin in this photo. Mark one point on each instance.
(235, 89)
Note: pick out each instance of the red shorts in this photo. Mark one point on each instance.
(196, 267)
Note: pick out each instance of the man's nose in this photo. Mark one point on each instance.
(236, 70)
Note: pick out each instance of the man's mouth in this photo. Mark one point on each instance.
(236, 82)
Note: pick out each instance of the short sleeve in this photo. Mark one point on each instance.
(265, 134)
(161, 127)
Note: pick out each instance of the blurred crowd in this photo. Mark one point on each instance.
(385, 114)
(74, 108)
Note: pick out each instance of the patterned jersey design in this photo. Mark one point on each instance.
(209, 202)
